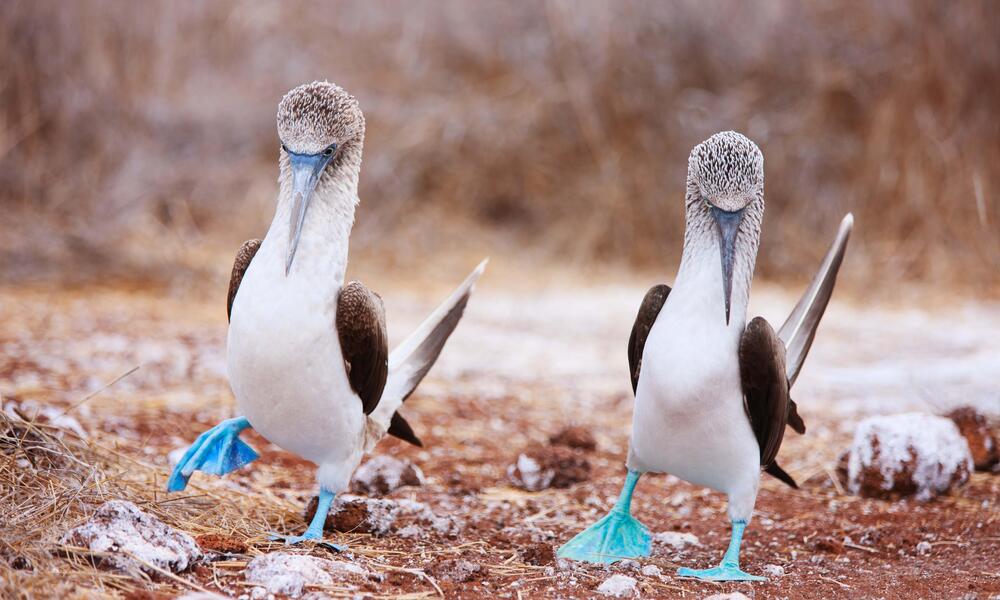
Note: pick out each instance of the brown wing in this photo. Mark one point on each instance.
(243, 257)
(648, 311)
(363, 341)
(765, 391)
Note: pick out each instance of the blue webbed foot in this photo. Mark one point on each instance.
(615, 537)
(315, 531)
(729, 568)
(722, 572)
(217, 451)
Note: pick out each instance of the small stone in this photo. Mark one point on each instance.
(383, 474)
(541, 467)
(976, 431)
(924, 548)
(575, 437)
(652, 571)
(619, 586)
(119, 528)
(907, 454)
(729, 596)
(458, 570)
(288, 574)
(774, 570)
(676, 539)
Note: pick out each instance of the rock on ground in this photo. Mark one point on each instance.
(458, 570)
(619, 586)
(907, 454)
(729, 596)
(288, 574)
(118, 527)
(676, 539)
(542, 467)
(383, 474)
(353, 514)
(976, 430)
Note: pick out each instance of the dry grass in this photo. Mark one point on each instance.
(562, 127)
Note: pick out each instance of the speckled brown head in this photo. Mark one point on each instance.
(725, 192)
(322, 131)
(316, 115)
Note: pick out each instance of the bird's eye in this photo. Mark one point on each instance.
(285, 148)
(328, 151)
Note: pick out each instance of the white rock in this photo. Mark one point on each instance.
(926, 453)
(526, 473)
(619, 586)
(118, 527)
(729, 596)
(283, 573)
(774, 570)
(652, 571)
(676, 539)
(923, 548)
(383, 474)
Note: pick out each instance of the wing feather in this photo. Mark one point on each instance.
(648, 311)
(363, 342)
(243, 257)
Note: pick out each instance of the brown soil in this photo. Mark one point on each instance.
(830, 545)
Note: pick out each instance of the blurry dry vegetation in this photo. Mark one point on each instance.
(562, 127)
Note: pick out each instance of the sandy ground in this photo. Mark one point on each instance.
(523, 365)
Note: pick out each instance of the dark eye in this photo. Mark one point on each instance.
(328, 151)
(284, 147)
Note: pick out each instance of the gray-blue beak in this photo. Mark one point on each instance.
(728, 224)
(306, 172)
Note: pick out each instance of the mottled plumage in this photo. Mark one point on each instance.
(363, 342)
(243, 257)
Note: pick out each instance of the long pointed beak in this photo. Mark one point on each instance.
(306, 171)
(728, 224)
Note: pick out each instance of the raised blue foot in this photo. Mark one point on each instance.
(615, 537)
(315, 530)
(217, 452)
(729, 568)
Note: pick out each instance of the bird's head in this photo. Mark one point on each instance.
(725, 178)
(318, 123)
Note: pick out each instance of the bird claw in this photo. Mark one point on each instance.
(217, 451)
(723, 572)
(308, 536)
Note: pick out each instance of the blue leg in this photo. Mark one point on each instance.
(217, 451)
(615, 537)
(729, 568)
(315, 530)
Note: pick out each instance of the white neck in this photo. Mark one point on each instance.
(700, 274)
(326, 231)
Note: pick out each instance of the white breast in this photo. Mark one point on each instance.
(285, 364)
(689, 418)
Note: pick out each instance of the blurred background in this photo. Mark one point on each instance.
(137, 140)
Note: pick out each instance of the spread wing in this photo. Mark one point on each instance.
(363, 341)
(243, 257)
(765, 390)
(648, 311)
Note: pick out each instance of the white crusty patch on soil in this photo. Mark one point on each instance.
(676, 539)
(118, 527)
(619, 586)
(288, 574)
(381, 515)
(383, 474)
(925, 448)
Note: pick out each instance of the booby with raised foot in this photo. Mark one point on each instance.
(711, 391)
(308, 357)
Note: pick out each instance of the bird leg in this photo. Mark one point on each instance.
(315, 529)
(729, 568)
(217, 451)
(615, 537)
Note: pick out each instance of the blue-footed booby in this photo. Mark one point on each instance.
(712, 391)
(308, 357)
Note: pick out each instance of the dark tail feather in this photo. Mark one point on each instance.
(398, 427)
(794, 420)
(775, 471)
